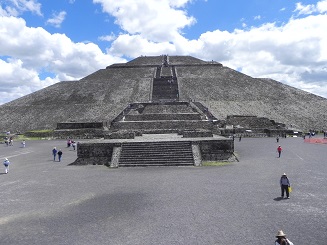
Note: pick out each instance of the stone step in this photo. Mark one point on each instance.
(156, 154)
(163, 154)
(157, 161)
(161, 151)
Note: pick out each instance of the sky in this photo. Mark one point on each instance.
(43, 42)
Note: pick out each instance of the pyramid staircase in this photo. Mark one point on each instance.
(169, 153)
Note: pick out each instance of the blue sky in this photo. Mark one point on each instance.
(44, 42)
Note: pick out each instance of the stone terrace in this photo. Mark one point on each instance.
(161, 117)
(173, 60)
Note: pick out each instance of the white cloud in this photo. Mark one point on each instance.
(320, 7)
(17, 81)
(304, 9)
(158, 21)
(28, 52)
(17, 7)
(108, 38)
(136, 45)
(57, 19)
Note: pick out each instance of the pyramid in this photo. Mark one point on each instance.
(102, 95)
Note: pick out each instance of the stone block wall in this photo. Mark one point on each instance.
(177, 125)
(94, 153)
(88, 133)
(216, 150)
(79, 125)
(153, 117)
(197, 133)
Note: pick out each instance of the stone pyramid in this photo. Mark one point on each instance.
(102, 95)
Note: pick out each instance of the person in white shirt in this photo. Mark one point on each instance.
(6, 164)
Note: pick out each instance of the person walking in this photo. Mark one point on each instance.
(59, 155)
(54, 153)
(74, 145)
(281, 239)
(284, 185)
(277, 139)
(6, 164)
(23, 143)
(279, 150)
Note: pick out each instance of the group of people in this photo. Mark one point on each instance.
(9, 141)
(72, 143)
(59, 153)
(55, 152)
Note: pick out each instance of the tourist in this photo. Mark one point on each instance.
(54, 153)
(69, 141)
(281, 239)
(240, 138)
(277, 139)
(284, 185)
(6, 164)
(59, 155)
(279, 150)
(23, 143)
(74, 145)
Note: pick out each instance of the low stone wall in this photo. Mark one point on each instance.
(196, 133)
(176, 125)
(253, 122)
(94, 153)
(123, 134)
(48, 134)
(87, 133)
(216, 150)
(152, 117)
(79, 125)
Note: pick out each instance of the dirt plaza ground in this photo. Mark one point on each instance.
(47, 202)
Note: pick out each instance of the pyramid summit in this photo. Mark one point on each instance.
(102, 95)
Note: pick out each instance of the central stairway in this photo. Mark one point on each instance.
(169, 153)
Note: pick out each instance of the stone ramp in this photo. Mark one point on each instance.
(173, 153)
(165, 89)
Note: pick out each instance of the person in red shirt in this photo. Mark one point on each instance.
(279, 150)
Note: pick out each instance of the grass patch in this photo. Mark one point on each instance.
(213, 163)
(31, 135)
(41, 131)
(23, 137)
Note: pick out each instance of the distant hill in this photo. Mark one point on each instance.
(102, 95)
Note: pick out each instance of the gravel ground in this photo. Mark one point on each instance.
(46, 202)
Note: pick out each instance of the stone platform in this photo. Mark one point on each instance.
(109, 151)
